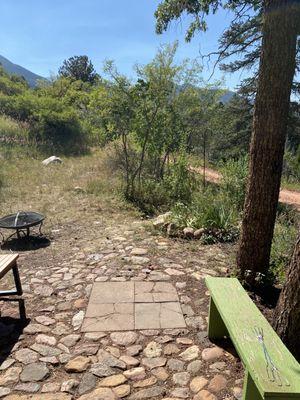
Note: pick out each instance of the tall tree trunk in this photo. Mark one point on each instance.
(277, 68)
(287, 312)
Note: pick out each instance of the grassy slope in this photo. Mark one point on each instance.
(27, 185)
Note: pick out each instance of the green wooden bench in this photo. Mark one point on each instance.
(271, 371)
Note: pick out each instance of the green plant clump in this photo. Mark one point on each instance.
(234, 180)
(178, 185)
(213, 212)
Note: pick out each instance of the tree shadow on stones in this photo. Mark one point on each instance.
(268, 296)
(29, 243)
(11, 328)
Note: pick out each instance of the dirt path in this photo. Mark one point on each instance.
(291, 197)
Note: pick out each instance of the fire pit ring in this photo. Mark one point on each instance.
(21, 222)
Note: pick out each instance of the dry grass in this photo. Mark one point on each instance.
(62, 192)
(9, 128)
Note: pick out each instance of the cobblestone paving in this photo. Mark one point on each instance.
(57, 357)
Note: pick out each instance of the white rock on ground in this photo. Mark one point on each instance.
(52, 160)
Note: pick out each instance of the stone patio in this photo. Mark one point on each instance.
(121, 306)
(103, 311)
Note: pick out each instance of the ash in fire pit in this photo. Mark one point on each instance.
(21, 222)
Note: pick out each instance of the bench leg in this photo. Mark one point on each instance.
(17, 280)
(22, 310)
(216, 327)
(250, 391)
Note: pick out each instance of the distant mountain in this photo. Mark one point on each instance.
(227, 96)
(14, 69)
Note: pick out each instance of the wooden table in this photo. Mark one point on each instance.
(9, 262)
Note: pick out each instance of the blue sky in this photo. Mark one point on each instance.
(40, 34)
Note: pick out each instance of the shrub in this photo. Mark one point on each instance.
(151, 197)
(291, 169)
(217, 209)
(151, 194)
(234, 180)
(11, 84)
(176, 185)
(212, 211)
(14, 139)
(51, 123)
(60, 131)
(20, 108)
(180, 182)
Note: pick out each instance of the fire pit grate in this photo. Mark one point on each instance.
(21, 222)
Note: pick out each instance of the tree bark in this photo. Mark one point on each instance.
(277, 68)
(287, 312)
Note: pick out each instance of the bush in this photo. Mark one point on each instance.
(151, 194)
(176, 185)
(14, 139)
(234, 180)
(212, 211)
(180, 182)
(216, 209)
(151, 197)
(11, 84)
(52, 125)
(58, 131)
(21, 107)
(291, 169)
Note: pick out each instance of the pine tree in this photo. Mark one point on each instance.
(263, 32)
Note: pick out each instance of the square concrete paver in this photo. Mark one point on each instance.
(109, 317)
(158, 316)
(112, 292)
(154, 292)
(146, 316)
(132, 305)
(171, 316)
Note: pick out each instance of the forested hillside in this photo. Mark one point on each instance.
(62, 114)
(14, 69)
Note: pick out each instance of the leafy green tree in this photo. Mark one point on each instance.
(146, 116)
(114, 106)
(79, 68)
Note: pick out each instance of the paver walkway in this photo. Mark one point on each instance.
(124, 268)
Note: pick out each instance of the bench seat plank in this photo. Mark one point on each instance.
(7, 261)
(240, 316)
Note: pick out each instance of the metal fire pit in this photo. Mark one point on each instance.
(21, 222)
